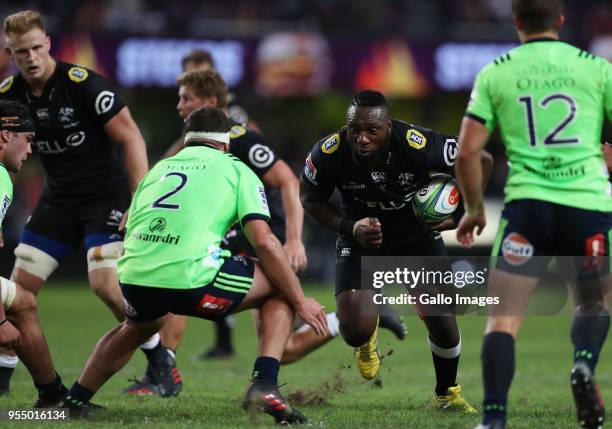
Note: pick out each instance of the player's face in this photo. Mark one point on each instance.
(17, 150)
(31, 53)
(368, 130)
(189, 101)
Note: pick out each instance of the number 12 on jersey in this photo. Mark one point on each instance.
(552, 135)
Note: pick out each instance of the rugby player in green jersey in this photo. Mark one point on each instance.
(173, 263)
(19, 326)
(548, 99)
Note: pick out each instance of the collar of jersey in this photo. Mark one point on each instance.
(542, 39)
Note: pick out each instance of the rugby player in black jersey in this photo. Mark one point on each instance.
(377, 163)
(81, 124)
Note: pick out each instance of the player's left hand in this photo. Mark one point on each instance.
(313, 314)
(467, 224)
(444, 225)
(297, 255)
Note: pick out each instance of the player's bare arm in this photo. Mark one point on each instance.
(471, 176)
(280, 176)
(123, 130)
(276, 266)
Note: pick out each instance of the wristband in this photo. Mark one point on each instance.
(3, 322)
(346, 226)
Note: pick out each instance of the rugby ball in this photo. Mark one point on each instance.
(437, 200)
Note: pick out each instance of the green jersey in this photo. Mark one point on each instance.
(6, 192)
(179, 214)
(548, 99)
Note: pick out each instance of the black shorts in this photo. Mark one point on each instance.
(57, 228)
(531, 232)
(212, 302)
(349, 253)
(236, 241)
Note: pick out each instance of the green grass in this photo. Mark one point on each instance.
(73, 320)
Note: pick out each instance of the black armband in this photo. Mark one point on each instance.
(346, 226)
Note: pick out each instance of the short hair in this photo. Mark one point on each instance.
(206, 83)
(369, 98)
(537, 16)
(14, 116)
(208, 119)
(198, 56)
(22, 22)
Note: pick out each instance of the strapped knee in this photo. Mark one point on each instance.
(104, 256)
(34, 261)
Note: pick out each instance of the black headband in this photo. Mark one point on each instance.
(17, 124)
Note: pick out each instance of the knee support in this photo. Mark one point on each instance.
(104, 256)
(34, 261)
(8, 290)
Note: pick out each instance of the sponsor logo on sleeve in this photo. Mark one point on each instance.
(261, 156)
(450, 151)
(237, 131)
(415, 139)
(104, 102)
(310, 171)
(263, 200)
(77, 74)
(6, 84)
(516, 249)
(331, 145)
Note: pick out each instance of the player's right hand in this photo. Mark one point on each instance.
(467, 224)
(313, 314)
(9, 336)
(367, 232)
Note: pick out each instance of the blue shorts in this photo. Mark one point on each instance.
(531, 232)
(213, 301)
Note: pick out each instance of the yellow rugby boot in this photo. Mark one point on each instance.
(368, 358)
(453, 401)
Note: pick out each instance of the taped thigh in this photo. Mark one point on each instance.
(34, 261)
(104, 256)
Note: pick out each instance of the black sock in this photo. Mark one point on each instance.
(5, 377)
(55, 388)
(79, 395)
(156, 354)
(224, 334)
(266, 369)
(446, 373)
(497, 370)
(589, 332)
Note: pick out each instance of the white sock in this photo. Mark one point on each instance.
(7, 361)
(333, 324)
(151, 343)
(445, 353)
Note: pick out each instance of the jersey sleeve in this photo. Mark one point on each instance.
(319, 168)
(441, 152)
(480, 106)
(252, 201)
(100, 97)
(251, 148)
(608, 89)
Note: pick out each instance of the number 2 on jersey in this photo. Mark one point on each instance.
(551, 137)
(158, 203)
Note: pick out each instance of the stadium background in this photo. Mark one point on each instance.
(292, 65)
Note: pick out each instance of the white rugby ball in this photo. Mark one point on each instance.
(437, 200)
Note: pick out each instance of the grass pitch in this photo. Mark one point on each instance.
(325, 386)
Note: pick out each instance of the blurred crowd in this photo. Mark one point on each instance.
(437, 19)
